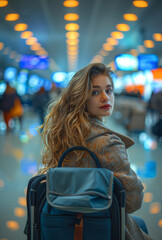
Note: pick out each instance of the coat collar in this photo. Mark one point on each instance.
(99, 128)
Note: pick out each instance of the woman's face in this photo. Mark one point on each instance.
(101, 102)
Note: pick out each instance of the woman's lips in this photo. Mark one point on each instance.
(106, 106)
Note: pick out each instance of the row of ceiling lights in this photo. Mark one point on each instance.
(27, 35)
(117, 35)
(72, 34)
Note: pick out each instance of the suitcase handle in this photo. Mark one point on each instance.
(93, 155)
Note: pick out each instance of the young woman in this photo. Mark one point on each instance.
(76, 119)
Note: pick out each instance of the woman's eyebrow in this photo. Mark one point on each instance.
(95, 86)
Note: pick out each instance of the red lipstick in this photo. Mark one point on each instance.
(106, 106)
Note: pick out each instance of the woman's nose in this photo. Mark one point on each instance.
(104, 96)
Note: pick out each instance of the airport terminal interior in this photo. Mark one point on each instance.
(42, 45)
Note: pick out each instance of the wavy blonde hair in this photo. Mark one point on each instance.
(68, 122)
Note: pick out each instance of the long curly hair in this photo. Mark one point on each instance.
(68, 122)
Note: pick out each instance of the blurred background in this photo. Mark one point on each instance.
(42, 45)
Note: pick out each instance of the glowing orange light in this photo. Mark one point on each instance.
(75, 47)
(130, 17)
(103, 53)
(20, 27)
(134, 52)
(160, 223)
(22, 201)
(26, 34)
(123, 27)
(98, 58)
(71, 17)
(140, 4)
(13, 225)
(17, 153)
(149, 43)
(107, 47)
(141, 48)
(1, 45)
(72, 35)
(35, 47)
(112, 41)
(3, 3)
(42, 52)
(157, 74)
(135, 88)
(19, 212)
(117, 35)
(72, 42)
(72, 27)
(31, 41)
(12, 17)
(148, 197)
(70, 3)
(157, 36)
(155, 208)
(72, 52)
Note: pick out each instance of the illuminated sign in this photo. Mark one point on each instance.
(126, 62)
(34, 62)
(147, 61)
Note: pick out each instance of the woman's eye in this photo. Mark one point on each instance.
(95, 93)
(109, 91)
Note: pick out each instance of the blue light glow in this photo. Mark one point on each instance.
(126, 62)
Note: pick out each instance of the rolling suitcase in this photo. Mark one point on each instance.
(75, 203)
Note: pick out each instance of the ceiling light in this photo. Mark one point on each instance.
(26, 34)
(71, 17)
(133, 52)
(72, 27)
(157, 36)
(72, 35)
(72, 53)
(117, 35)
(149, 43)
(31, 41)
(1, 45)
(70, 3)
(103, 53)
(130, 17)
(3, 3)
(42, 52)
(140, 4)
(20, 27)
(35, 47)
(72, 47)
(72, 42)
(107, 47)
(12, 17)
(123, 27)
(112, 41)
(141, 49)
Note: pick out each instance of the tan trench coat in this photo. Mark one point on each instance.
(110, 147)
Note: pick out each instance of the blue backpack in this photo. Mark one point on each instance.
(75, 203)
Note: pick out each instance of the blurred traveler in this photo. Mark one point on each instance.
(40, 102)
(11, 106)
(78, 116)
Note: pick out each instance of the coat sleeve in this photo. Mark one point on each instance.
(113, 155)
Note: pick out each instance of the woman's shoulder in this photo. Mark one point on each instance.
(100, 132)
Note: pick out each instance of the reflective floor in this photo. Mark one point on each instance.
(20, 152)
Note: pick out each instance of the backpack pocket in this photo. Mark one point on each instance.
(57, 227)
